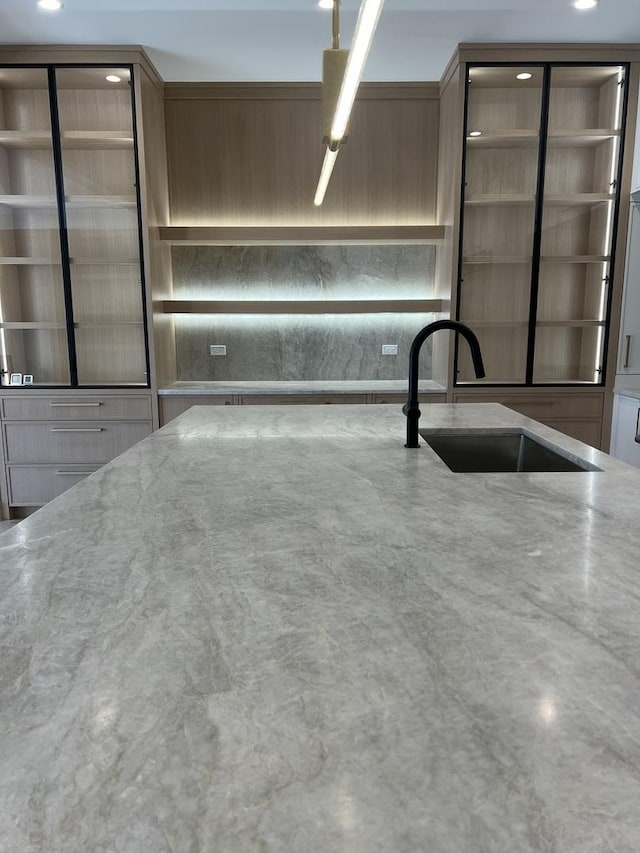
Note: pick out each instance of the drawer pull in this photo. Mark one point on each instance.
(627, 351)
(77, 429)
(74, 405)
(73, 473)
(637, 438)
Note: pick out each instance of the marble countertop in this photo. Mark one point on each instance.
(277, 629)
(373, 386)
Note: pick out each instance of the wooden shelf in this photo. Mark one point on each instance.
(501, 259)
(83, 139)
(500, 200)
(580, 138)
(577, 199)
(574, 259)
(325, 306)
(571, 324)
(82, 325)
(41, 201)
(504, 139)
(30, 262)
(106, 262)
(306, 235)
(22, 326)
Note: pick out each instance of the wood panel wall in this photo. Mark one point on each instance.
(251, 155)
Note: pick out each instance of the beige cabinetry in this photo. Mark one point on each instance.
(538, 236)
(51, 442)
(75, 217)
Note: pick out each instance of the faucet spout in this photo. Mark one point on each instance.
(411, 407)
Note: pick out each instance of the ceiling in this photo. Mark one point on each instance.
(282, 40)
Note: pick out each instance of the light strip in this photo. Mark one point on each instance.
(325, 174)
(363, 36)
(366, 24)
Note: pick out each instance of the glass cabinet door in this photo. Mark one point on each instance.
(99, 171)
(501, 179)
(580, 183)
(33, 329)
(541, 172)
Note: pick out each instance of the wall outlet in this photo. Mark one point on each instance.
(217, 349)
(389, 349)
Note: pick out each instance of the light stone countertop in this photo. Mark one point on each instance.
(329, 386)
(277, 629)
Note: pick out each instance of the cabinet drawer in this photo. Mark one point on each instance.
(301, 399)
(34, 485)
(60, 442)
(171, 407)
(76, 408)
(541, 408)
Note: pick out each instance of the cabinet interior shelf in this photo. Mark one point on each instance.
(513, 324)
(356, 306)
(99, 139)
(78, 262)
(42, 201)
(23, 326)
(304, 235)
(527, 259)
(556, 199)
(555, 138)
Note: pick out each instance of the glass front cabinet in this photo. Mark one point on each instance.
(539, 226)
(76, 383)
(71, 278)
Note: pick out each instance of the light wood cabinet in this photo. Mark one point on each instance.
(83, 189)
(50, 442)
(72, 302)
(537, 239)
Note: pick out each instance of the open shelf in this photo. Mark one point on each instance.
(325, 306)
(30, 262)
(24, 326)
(497, 259)
(504, 139)
(41, 201)
(498, 199)
(579, 138)
(83, 139)
(305, 235)
(108, 262)
(574, 259)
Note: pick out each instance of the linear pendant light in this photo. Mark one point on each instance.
(366, 24)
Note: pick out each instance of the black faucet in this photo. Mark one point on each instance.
(410, 408)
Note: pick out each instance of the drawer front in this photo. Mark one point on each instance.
(301, 399)
(60, 408)
(171, 407)
(560, 406)
(61, 442)
(401, 399)
(34, 485)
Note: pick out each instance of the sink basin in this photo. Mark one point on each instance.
(482, 452)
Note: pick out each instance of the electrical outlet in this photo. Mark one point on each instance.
(389, 349)
(217, 349)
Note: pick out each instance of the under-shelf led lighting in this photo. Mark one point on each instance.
(113, 78)
(325, 4)
(524, 75)
(475, 133)
(585, 4)
(50, 5)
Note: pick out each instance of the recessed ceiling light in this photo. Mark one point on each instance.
(325, 4)
(476, 133)
(113, 78)
(585, 4)
(524, 75)
(50, 5)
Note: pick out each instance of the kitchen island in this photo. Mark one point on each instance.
(278, 629)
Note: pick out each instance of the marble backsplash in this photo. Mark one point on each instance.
(300, 346)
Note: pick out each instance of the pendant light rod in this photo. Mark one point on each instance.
(368, 18)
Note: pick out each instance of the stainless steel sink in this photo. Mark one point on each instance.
(482, 452)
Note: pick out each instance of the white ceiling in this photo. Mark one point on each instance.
(282, 40)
